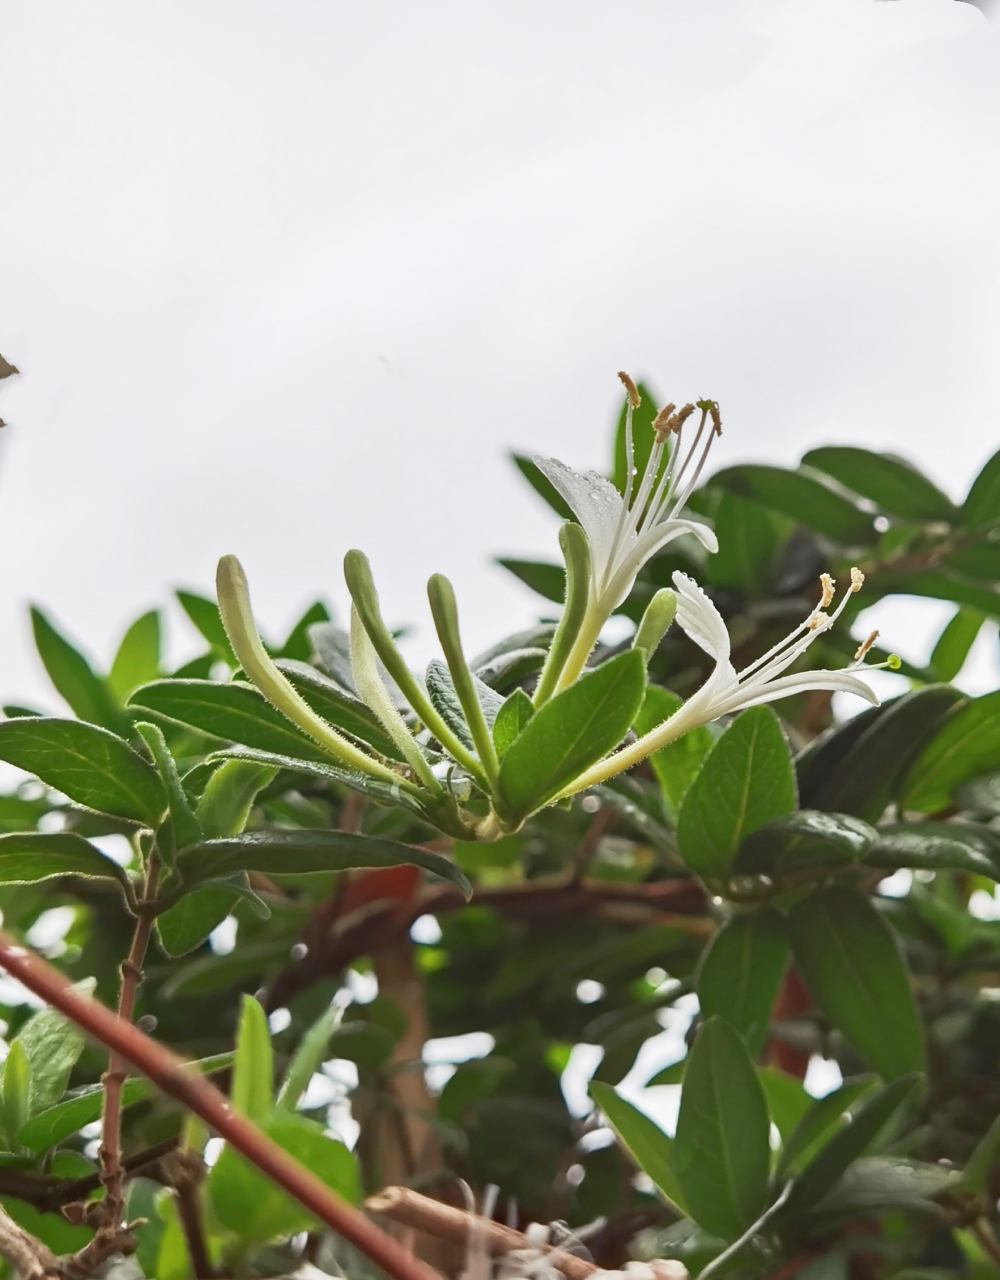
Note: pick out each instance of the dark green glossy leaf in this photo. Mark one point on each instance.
(188, 923)
(982, 504)
(295, 853)
(746, 779)
(512, 717)
(965, 743)
(29, 856)
(645, 1141)
(234, 712)
(298, 646)
(803, 839)
(820, 1121)
(853, 966)
(549, 580)
(954, 643)
(570, 732)
(740, 971)
(820, 1174)
(890, 482)
(787, 1100)
(980, 795)
(89, 764)
(676, 764)
(804, 499)
(748, 542)
(862, 781)
(980, 560)
(721, 1154)
(878, 1184)
(84, 690)
(138, 658)
(936, 846)
(940, 584)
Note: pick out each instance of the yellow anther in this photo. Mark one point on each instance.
(634, 398)
(680, 417)
(865, 646)
(661, 423)
(716, 417)
(827, 584)
(817, 619)
(857, 579)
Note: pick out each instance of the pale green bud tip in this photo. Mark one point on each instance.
(894, 662)
(655, 621)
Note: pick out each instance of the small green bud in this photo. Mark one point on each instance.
(655, 621)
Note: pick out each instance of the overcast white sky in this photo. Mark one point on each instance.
(286, 278)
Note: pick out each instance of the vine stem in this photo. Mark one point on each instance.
(110, 1156)
(195, 1093)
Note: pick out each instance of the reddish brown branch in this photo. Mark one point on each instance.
(195, 1093)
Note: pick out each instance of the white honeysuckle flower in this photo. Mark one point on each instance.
(625, 532)
(726, 691)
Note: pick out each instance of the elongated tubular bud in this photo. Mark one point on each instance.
(445, 613)
(358, 575)
(237, 618)
(576, 553)
(655, 621)
(368, 681)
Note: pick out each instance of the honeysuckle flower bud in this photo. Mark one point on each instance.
(657, 618)
(726, 691)
(624, 531)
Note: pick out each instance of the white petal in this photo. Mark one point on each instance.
(594, 501)
(835, 681)
(698, 616)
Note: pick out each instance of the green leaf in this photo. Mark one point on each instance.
(542, 485)
(823, 1170)
(878, 1184)
(184, 827)
(787, 1100)
(740, 971)
(975, 1175)
(548, 580)
(253, 1067)
(29, 856)
(510, 720)
(965, 743)
(748, 542)
(954, 643)
(138, 658)
(298, 647)
(935, 846)
(229, 795)
(52, 1126)
(820, 1120)
(978, 560)
(188, 923)
(52, 1046)
(745, 779)
(82, 688)
(802, 840)
(15, 1094)
(304, 852)
(234, 1184)
(721, 1154)
(863, 780)
(339, 708)
(570, 732)
(854, 968)
(89, 764)
(804, 499)
(441, 691)
(890, 482)
(645, 1141)
(204, 613)
(233, 712)
(940, 584)
(982, 504)
(313, 1050)
(675, 765)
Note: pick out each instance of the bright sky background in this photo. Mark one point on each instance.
(287, 278)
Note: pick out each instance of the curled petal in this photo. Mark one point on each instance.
(594, 501)
(834, 681)
(699, 617)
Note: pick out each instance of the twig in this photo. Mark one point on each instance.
(32, 1259)
(984, 1234)
(184, 1171)
(110, 1156)
(195, 1092)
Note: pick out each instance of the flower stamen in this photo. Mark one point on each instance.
(865, 646)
